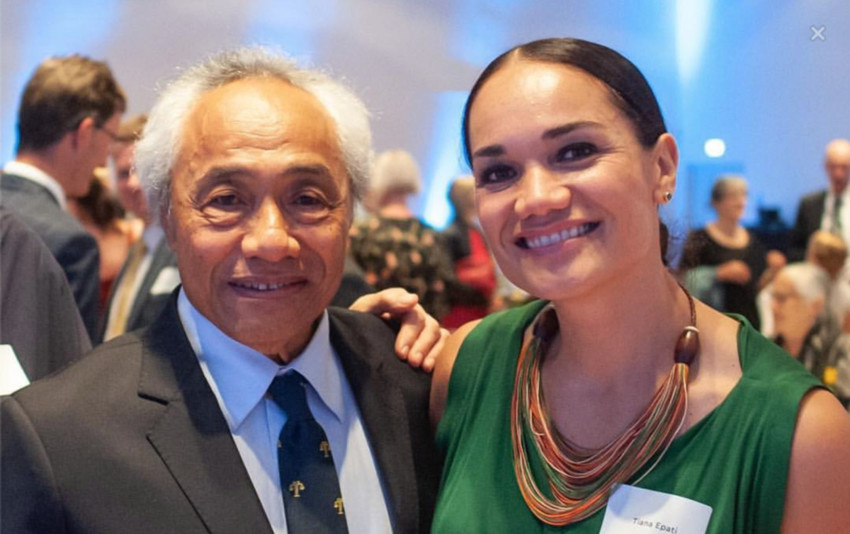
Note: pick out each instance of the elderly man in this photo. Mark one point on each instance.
(825, 210)
(69, 111)
(247, 406)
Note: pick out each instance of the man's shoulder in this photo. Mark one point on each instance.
(33, 204)
(814, 198)
(105, 376)
(372, 341)
(360, 330)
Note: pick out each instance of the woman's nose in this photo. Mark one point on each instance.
(540, 192)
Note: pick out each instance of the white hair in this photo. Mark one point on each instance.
(810, 281)
(395, 171)
(159, 145)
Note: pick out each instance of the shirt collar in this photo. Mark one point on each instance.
(242, 375)
(845, 195)
(34, 174)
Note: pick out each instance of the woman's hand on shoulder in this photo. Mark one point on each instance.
(420, 337)
(443, 371)
(819, 476)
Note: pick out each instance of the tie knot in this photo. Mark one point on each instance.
(289, 391)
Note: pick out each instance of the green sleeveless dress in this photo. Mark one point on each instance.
(734, 460)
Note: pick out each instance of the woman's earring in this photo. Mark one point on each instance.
(668, 196)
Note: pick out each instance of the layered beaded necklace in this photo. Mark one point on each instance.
(580, 480)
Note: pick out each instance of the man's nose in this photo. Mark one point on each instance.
(541, 191)
(133, 181)
(268, 236)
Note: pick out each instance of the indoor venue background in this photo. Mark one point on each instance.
(768, 78)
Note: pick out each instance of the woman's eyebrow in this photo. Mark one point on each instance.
(564, 129)
(490, 151)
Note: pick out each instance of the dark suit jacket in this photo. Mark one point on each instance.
(131, 439)
(146, 306)
(38, 315)
(809, 215)
(72, 246)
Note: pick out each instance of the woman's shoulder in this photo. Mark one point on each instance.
(764, 362)
(475, 342)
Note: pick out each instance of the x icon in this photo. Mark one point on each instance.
(817, 33)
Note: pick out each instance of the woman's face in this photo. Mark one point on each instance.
(566, 195)
(733, 203)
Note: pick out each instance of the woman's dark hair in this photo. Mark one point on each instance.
(101, 205)
(629, 89)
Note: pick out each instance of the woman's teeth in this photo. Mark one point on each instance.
(557, 237)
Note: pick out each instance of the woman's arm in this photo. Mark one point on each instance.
(443, 371)
(819, 477)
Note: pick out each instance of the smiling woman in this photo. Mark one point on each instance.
(619, 378)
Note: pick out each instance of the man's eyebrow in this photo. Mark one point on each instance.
(552, 133)
(316, 169)
(220, 174)
(228, 172)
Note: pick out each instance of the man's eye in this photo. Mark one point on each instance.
(310, 208)
(496, 175)
(308, 201)
(224, 201)
(576, 152)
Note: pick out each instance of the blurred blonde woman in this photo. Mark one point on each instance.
(395, 248)
(829, 252)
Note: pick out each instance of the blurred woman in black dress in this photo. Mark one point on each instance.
(724, 262)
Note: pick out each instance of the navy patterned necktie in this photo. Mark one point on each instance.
(312, 499)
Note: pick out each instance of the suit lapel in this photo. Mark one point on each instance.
(382, 408)
(161, 257)
(192, 437)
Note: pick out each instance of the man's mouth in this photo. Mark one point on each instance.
(256, 286)
(557, 237)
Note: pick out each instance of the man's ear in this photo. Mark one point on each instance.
(81, 136)
(817, 306)
(666, 162)
(166, 219)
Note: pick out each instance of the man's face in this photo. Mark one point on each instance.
(93, 155)
(261, 208)
(837, 165)
(127, 185)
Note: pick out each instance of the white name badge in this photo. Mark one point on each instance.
(633, 510)
(12, 375)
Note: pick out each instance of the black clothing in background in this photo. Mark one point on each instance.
(700, 249)
(809, 215)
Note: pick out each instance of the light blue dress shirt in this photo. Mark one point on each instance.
(240, 377)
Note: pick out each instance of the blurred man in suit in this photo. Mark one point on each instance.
(38, 315)
(149, 275)
(210, 420)
(68, 115)
(827, 210)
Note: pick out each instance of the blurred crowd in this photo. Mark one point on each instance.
(797, 294)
